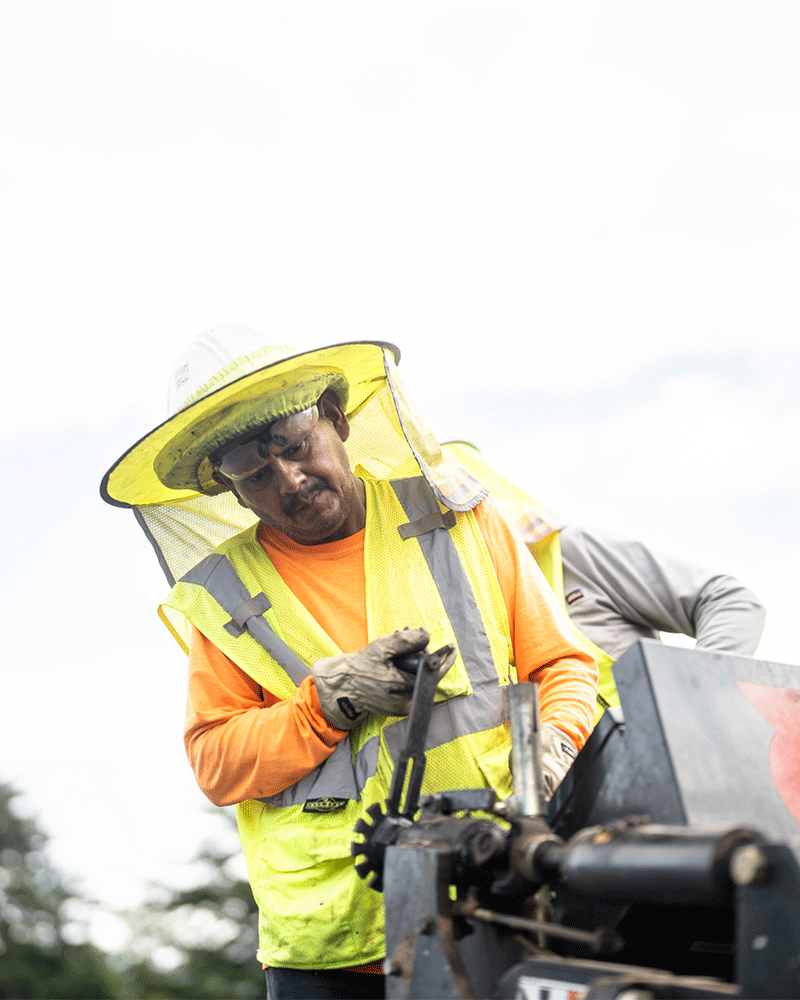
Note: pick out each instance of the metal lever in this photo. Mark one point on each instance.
(376, 828)
(526, 751)
(419, 716)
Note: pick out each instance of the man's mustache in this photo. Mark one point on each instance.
(305, 496)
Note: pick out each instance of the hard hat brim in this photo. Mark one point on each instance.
(174, 449)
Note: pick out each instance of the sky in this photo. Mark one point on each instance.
(578, 221)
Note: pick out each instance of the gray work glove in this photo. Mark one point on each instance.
(352, 686)
(558, 753)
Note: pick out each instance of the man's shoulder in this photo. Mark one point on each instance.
(209, 563)
(248, 538)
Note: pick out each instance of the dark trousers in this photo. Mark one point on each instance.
(323, 984)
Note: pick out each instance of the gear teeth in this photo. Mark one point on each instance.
(363, 868)
(368, 868)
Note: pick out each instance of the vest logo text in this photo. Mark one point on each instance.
(324, 805)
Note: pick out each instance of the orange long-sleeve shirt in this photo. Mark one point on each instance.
(243, 742)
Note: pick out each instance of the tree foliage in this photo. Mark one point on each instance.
(199, 942)
(41, 954)
(184, 944)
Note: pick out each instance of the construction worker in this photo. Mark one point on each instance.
(617, 591)
(316, 532)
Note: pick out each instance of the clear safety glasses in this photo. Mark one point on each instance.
(249, 458)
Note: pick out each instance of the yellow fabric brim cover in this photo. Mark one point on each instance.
(171, 453)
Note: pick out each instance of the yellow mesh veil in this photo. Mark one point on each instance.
(388, 440)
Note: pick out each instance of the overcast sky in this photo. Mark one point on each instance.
(578, 221)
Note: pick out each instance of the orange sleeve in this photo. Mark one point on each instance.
(541, 636)
(243, 742)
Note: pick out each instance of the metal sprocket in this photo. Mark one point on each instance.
(371, 867)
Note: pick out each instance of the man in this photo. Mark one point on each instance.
(360, 543)
(618, 591)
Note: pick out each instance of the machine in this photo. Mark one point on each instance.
(667, 864)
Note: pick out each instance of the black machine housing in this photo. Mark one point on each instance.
(667, 864)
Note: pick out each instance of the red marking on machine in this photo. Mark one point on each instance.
(781, 708)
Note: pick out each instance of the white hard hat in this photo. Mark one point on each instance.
(209, 353)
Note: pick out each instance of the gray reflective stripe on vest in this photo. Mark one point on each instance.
(450, 577)
(484, 709)
(217, 576)
(335, 777)
(461, 716)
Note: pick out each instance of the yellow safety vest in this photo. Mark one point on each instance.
(538, 527)
(423, 566)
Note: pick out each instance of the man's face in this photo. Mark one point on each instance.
(303, 485)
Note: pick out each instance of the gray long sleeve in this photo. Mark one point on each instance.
(621, 591)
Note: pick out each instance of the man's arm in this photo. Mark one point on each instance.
(621, 591)
(542, 639)
(242, 742)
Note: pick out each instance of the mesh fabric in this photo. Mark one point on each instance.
(388, 440)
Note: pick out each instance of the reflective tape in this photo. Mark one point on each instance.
(452, 582)
(216, 575)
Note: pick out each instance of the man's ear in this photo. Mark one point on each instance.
(331, 409)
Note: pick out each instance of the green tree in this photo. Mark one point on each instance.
(198, 943)
(41, 954)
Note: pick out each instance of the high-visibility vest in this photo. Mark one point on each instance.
(538, 527)
(423, 566)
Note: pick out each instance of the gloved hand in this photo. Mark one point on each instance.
(354, 685)
(558, 753)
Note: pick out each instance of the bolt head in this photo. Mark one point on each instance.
(750, 866)
(391, 967)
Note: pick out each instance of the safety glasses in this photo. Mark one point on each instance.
(249, 458)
